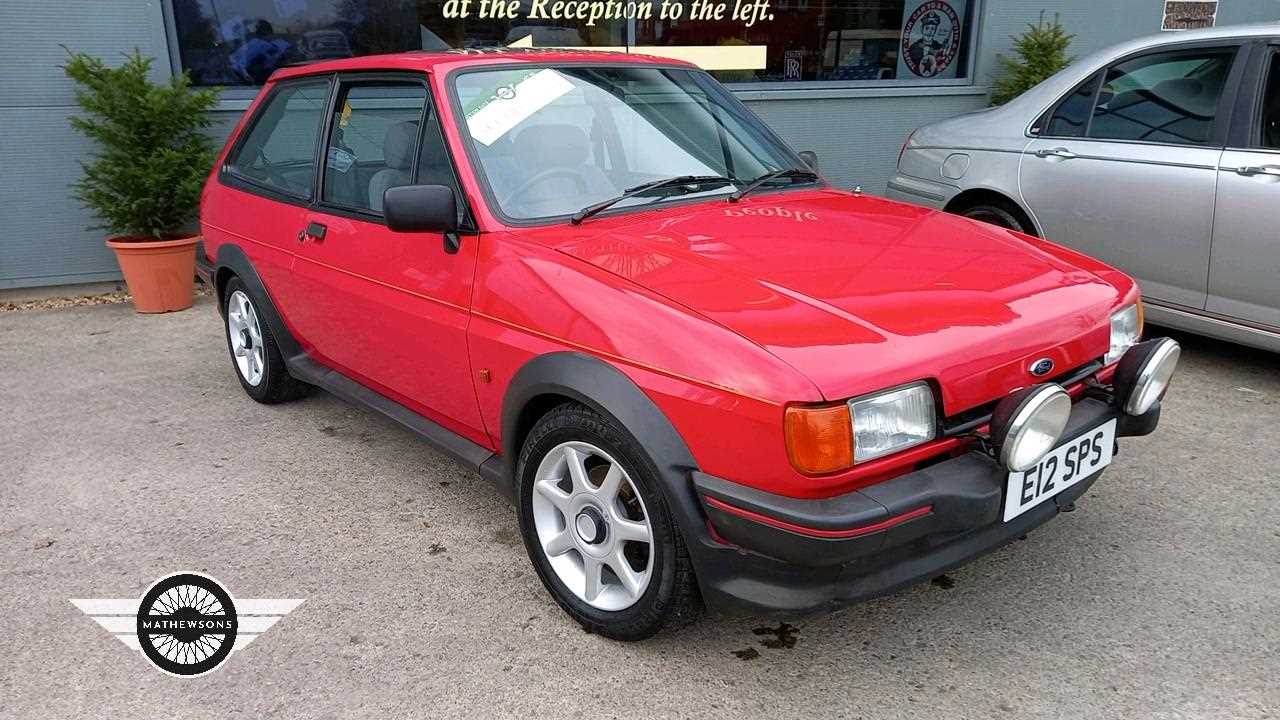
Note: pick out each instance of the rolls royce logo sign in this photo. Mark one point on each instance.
(186, 624)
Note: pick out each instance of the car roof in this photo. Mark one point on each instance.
(447, 60)
(1225, 32)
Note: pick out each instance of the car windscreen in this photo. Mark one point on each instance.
(550, 141)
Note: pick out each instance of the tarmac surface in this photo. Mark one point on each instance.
(128, 451)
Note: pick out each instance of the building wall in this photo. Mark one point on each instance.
(46, 238)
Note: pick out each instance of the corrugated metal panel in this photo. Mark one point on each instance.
(45, 240)
(33, 31)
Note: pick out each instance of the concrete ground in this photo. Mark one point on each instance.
(127, 452)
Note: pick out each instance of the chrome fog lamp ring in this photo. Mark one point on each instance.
(1027, 425)
(1144, 373)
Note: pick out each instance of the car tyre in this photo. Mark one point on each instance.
(998, 214)
(615, 484)
(255, 356)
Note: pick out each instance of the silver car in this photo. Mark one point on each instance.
(1160, 156)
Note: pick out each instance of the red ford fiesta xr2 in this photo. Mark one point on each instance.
(703, 375)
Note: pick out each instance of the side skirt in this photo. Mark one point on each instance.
(441, 438)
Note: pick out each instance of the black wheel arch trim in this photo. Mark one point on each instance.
(232, 257)
(604, 388)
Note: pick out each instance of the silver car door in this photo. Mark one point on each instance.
(1132, 180)
(1244, 268)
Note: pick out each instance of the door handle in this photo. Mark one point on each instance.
(315, 231)
(1060, 153)
(1249, 170)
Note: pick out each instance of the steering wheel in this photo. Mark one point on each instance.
(519, 193)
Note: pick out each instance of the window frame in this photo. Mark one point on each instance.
(1046, 118)
(1224, 117)
(467, 224)
(229, 177)
(701, 77)
(1246, 126)
(345, 82)
(837, 88)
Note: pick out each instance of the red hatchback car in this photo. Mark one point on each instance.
(703, 375)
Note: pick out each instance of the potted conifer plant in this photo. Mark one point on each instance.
(144, 182)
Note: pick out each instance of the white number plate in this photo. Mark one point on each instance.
(1063, 467)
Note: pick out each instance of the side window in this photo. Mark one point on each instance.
(372, 141)
(279, 151)
(1071, 117)
(1167, 97)
(434, 166)
(1271, 105)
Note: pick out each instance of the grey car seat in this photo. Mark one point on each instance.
(397, 152)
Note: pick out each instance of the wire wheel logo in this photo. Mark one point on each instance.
(187, 624)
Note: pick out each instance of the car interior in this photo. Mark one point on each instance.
(612, 131)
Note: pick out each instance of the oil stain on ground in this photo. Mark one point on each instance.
(784, 636)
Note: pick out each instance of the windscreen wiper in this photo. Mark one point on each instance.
(643, 188)
(770, 176)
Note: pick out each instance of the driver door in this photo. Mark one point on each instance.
(386, 308)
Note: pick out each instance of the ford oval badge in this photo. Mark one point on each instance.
(1042, 367)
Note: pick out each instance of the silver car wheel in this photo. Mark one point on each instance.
(592, 526)
(246, 338)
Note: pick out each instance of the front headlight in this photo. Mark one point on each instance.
(1126, 331)
(891, 421)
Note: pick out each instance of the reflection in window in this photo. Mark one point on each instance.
(240, 42)
(1167, 97)
(279, 151)
(552, 141)
(1071, 117)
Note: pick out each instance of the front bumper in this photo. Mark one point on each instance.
(771, 554)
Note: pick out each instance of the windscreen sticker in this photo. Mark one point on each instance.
(513, 103)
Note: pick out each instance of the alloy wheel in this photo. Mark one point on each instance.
(592, 526)
(246, 338)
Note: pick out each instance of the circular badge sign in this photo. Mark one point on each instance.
(187, 624)
(931, 38)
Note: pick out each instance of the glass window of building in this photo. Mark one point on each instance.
(240, 42)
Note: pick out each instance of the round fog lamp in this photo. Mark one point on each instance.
(1027, 424)
(1144, 373)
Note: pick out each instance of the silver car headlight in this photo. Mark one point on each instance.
(1144, 374)
(893, 420)
(1026, 425)
(1126, 331)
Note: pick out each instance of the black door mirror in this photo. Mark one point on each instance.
(421, 208)
(810, 158)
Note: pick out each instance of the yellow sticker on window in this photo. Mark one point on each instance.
(345, 117)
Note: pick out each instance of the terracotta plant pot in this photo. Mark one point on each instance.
(160, 273)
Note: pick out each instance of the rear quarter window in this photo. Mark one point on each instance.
(278, 151)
